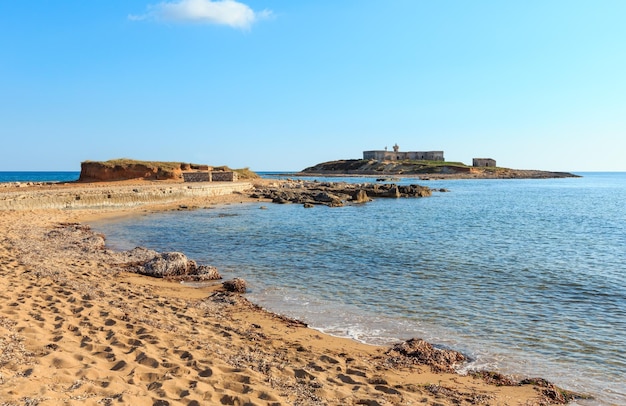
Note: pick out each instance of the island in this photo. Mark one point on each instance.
(424, 165)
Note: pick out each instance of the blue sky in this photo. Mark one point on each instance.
(282, 85)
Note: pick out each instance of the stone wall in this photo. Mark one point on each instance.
(115, 196)
(210, 176)
(197, 176)
(225, 176)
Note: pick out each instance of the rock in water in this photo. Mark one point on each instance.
(236, 285)
(360, 196)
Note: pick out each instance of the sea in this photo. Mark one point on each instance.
(526, 277)
(34, 176)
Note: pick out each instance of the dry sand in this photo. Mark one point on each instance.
(75, 329)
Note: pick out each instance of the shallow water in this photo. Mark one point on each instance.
(525, 276)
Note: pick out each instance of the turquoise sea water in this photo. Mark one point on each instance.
(525, 276)
(33, 176)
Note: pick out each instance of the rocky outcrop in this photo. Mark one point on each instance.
(421, 352)
(127, 169)
(335, 194)
(169, 265)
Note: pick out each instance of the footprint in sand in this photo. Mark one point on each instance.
(143, 359)
(328, 360)
(315, 367)
(348, 380)
(149, 338)
(75, 330)
(387, 390)
(59, 321)
(134, 342)
(152, 386)
(184, 355)
(85, 343)
(356, 372)
(119, 366)
(36, 316)
(106, 353)
(205, 373)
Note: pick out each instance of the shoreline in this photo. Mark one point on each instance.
(142, 340)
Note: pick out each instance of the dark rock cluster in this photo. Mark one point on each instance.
(335, 194)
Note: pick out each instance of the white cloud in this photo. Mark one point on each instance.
(223, 12)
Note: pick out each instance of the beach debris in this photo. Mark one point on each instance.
(236, 285)
(422, 352)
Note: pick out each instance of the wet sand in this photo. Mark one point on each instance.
(76, 328)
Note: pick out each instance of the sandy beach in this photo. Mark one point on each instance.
(77, 328)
